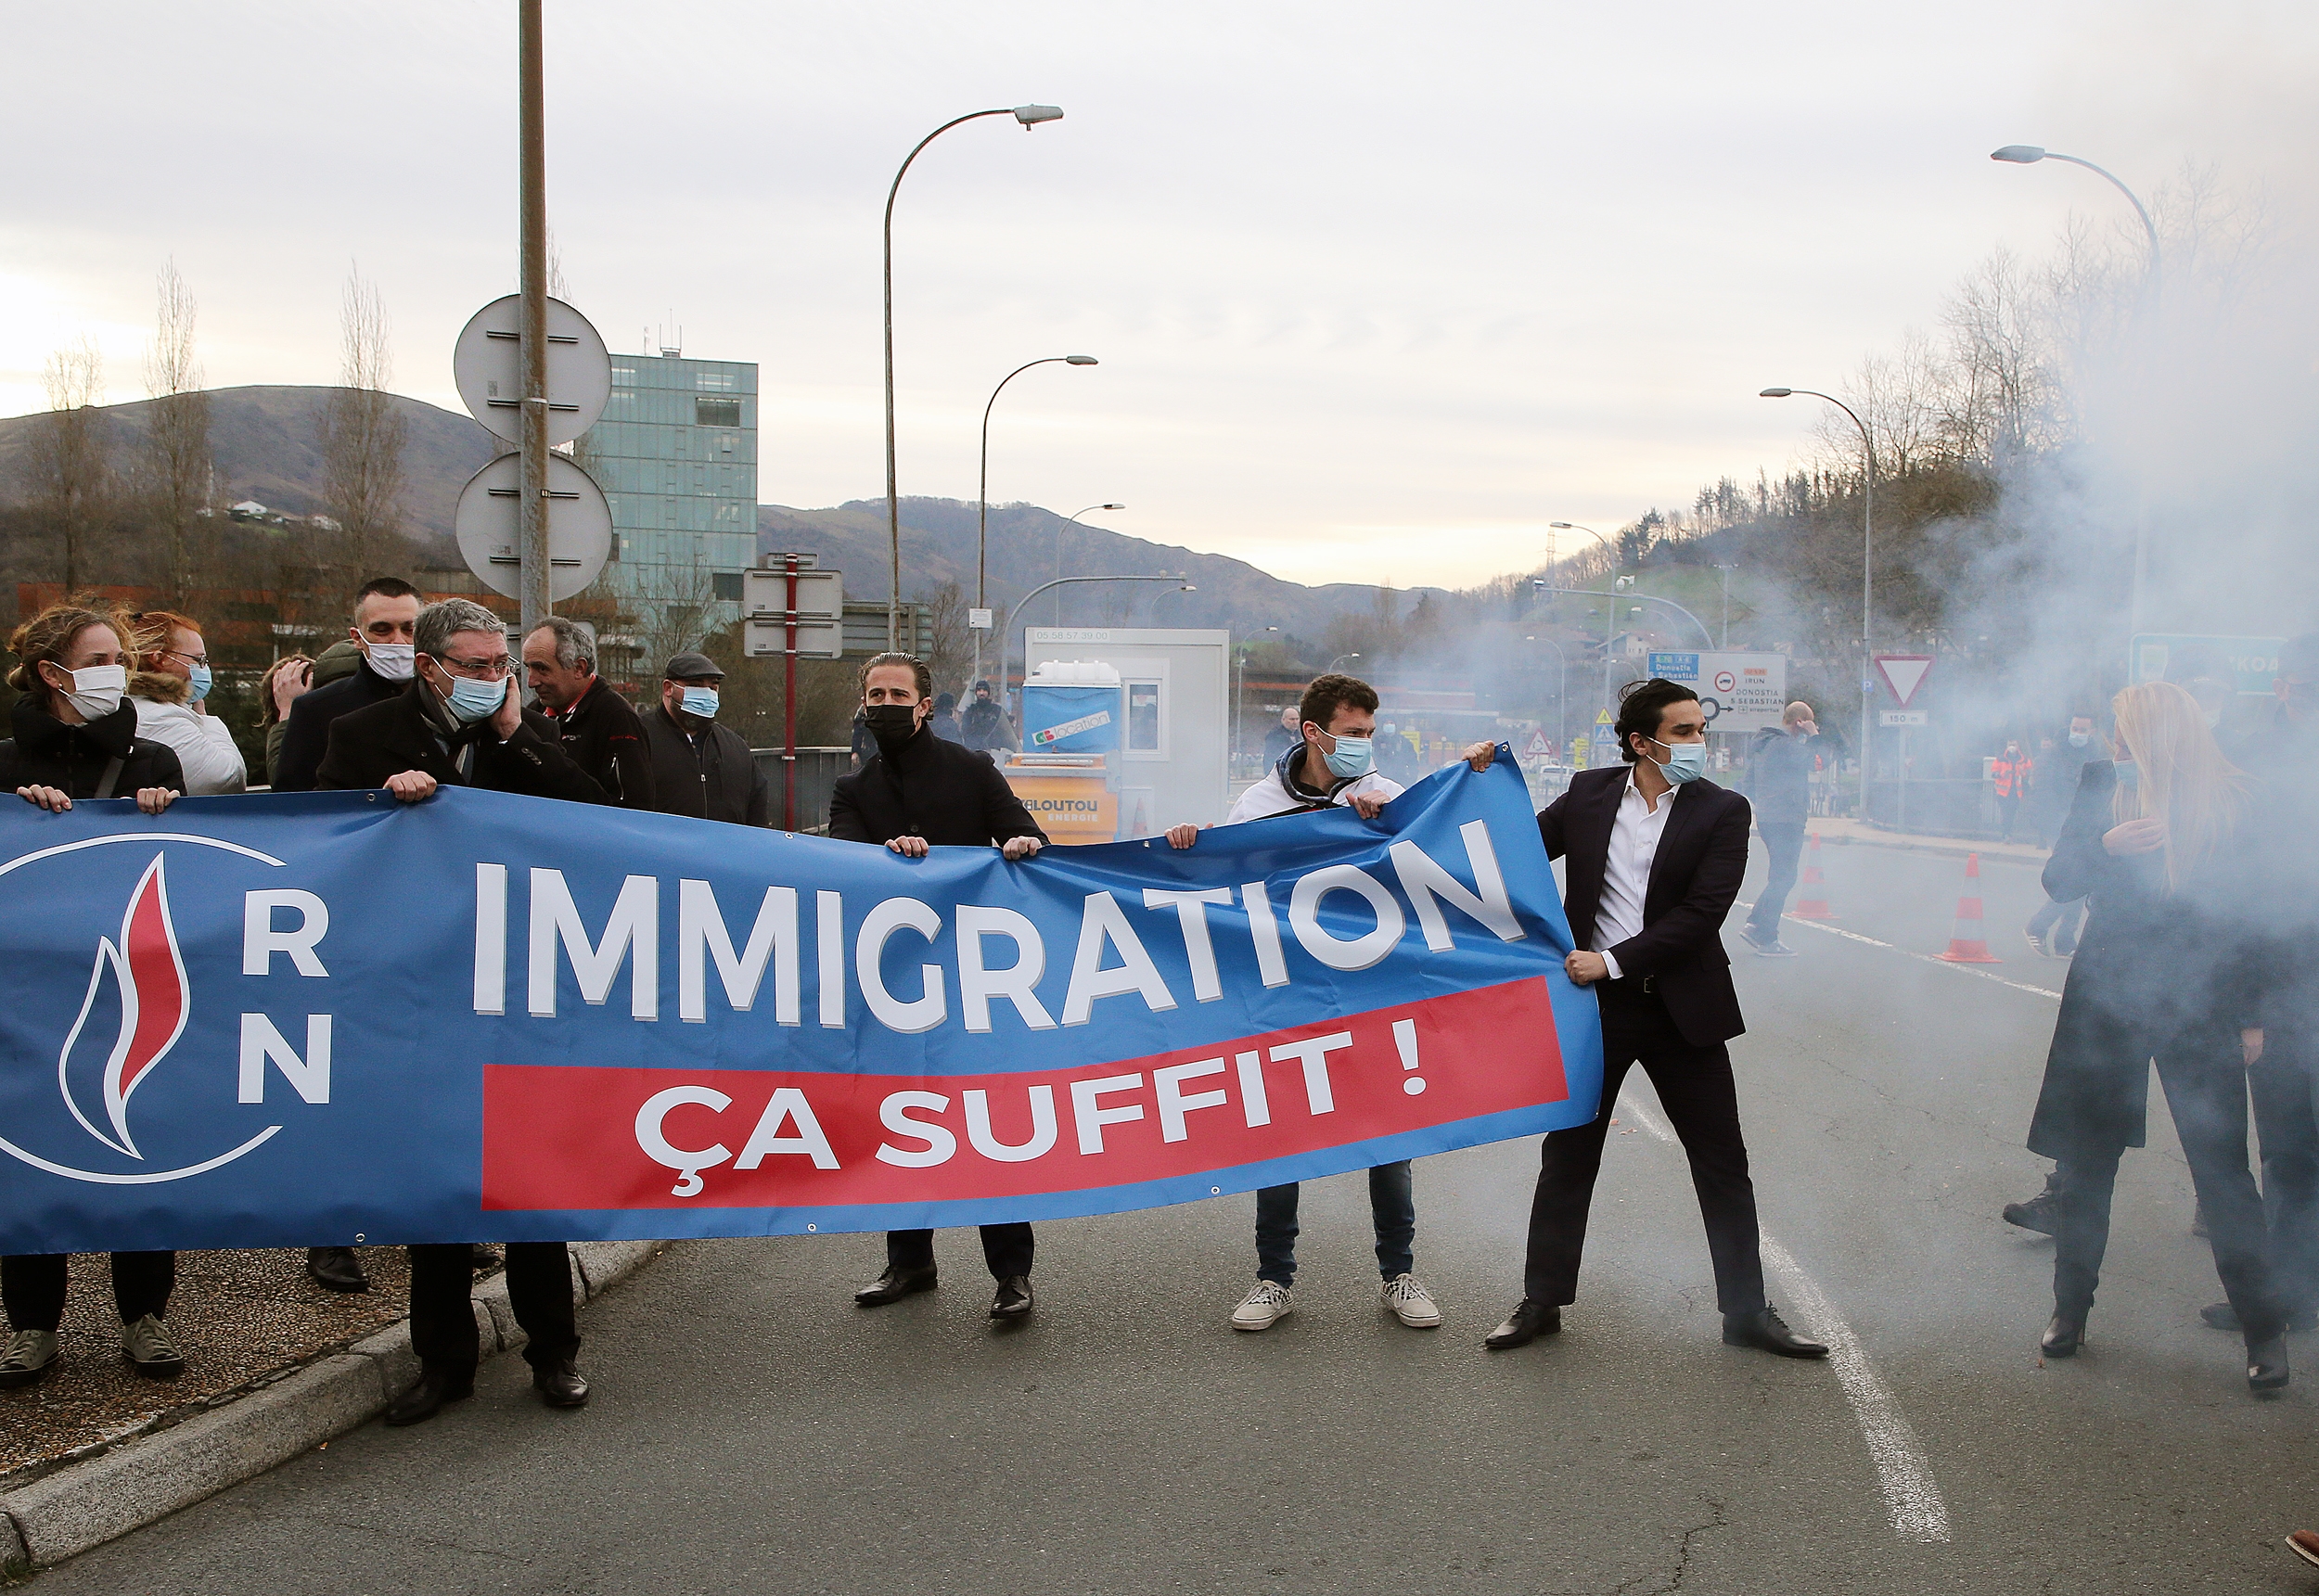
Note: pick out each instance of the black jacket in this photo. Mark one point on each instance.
(306, 736)
(381, 740)
(47, 753)
(2153, 969)
(1695, 875)
(605, 738)
(713, 778)
(985, 725)
(949, 795)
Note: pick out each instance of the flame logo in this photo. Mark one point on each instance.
(148, 976)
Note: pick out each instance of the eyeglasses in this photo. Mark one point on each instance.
(189, 658)
(477, 670)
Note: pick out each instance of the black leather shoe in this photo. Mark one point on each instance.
(2266, 1365)
(1766, 1331)
(560, 1385)
(1013, 1300)
(336, 1269)
(424, 1401)
(2063, 1336)
(1529, 1321)
(895, 1285)
(2222, 1316)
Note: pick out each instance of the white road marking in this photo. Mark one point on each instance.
(1912, 1497)
(1925, 958)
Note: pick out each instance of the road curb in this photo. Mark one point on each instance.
(62, 1515)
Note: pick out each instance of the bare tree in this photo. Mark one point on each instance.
(952, 654)
(2000, 389)
(68, 454)
(363, 435)
(177, 445)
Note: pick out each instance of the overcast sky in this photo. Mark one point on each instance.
(1378, 290)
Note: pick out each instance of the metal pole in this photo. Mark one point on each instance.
(532, 559)
(788, 707)
(982, 503)
(1007, 646)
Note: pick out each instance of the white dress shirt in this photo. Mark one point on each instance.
(1627, 873)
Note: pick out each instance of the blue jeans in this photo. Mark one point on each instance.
(1392, 1206)
(2064, 918)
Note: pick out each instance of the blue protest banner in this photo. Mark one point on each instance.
(331, 1018)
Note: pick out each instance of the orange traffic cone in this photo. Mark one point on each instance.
(1967, 944)
(1813, 905)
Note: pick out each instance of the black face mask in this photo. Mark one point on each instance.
(892, 724)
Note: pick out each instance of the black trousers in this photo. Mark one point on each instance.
(1696, 1088)
(2282, 1081)
(1007, 1248)
(539, 1289)
(2204, 1077)
(34, 1284)
(1783, 844)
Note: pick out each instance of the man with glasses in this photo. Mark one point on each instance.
(461, 723)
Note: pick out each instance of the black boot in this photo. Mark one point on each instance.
(2043, 1212)
(424, 1401)
(2064, 1334)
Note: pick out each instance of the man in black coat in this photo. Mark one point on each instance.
(599, 729)
(700, 768)
(462, 724)
(919, 791)
(385, 611)
(1656, 857)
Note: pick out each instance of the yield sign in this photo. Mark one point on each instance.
(1903, 673)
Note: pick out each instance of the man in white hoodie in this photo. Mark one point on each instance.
(1331, 764)
(169, 687)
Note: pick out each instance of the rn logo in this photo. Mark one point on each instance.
(148, 1086)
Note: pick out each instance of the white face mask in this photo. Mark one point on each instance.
(95, 692)
(395, 661)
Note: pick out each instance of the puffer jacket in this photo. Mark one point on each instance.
(47, 753)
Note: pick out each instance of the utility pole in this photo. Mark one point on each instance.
(531, 528)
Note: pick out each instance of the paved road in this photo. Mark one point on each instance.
(752, 1432)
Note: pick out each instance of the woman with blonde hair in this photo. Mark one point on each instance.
(2171, 970)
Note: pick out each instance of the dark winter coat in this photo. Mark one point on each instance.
(2153, 969)
(708, 776)
(605, 738)
(1780, 776)
(949, 795)
(985, 725)
(383, 740)
(47, 753)
(306, 737)
(1695, 875)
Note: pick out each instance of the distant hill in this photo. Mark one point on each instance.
(266, 442)
(1030, 546)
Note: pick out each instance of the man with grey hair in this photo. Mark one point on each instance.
(461, 723)
(599, 728)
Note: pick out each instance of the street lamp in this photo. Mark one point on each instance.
(1561, 691)
(982, 492)
(1867, 546)
(1240, 698)
(2030, 155)
(1058, 549)
(1340, 660)
(1029, 116)
(1181, 586)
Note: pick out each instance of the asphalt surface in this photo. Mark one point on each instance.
(753, 1432)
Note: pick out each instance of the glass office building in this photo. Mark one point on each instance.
(676, 454)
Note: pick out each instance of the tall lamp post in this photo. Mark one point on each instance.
(1561, 691)
(1611, 622)
(982, 492)
(1868, 548)
(1029, 116)
(1239, 695)
(1058, 549)
(1181, 585)
(2030, 155)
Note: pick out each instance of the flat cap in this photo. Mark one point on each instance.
(690, 667)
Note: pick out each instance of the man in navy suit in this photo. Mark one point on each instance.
(1655, 856)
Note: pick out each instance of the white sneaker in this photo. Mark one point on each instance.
(1262, 1307)
(1409, 1302)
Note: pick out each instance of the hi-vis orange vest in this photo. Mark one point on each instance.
(2008, 771)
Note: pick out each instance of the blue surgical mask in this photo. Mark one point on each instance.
(472, 700)
(700, 701)
(2079, 739)
(200, 676)
(1685, 762)
(1353, 756)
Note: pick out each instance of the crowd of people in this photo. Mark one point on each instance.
(2193, 952)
